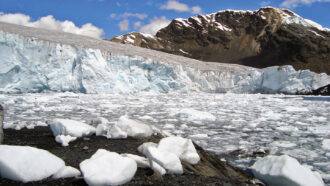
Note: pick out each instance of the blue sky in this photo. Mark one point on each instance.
(109, 18)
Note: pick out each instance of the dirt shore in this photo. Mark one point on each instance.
(209, 171)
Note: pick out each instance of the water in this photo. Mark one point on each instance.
(221, 123)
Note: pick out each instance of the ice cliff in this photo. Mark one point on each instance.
(36, 60)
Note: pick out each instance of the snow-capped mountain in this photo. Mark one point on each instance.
(37, 60)
(262, 38)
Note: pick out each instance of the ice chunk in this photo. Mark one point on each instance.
(71, 127)
(153, 165)
(190, 154)
(181, 147)
(156, 167)
(101, 130)
(166, 159)
(134, 128)
(326, 144)
(199, 136)
(66, 172)
(100, 120)
(143, 148)
(116, 133)
(64, 139)
(296, 109)
(25, 164)
(108, 168)
(140, 161)
(192, 115)
(284, 170)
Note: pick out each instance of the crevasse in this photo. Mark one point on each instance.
(30, 65)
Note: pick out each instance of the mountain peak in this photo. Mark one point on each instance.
(261, 38)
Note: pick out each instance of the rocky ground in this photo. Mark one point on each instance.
(209, 171)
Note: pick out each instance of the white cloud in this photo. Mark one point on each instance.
(113, 15)
(196, 10)
(123, 25)
(295, 3)
(180, 7)
(264, 3)
(128, 14)
(137, 24)
(154, 25)
(175, 5)
(49, 22)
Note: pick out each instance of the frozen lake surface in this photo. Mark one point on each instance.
(223, 123)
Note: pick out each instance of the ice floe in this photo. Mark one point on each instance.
(166, 156)
(140, 161)
(115, 132)
(143, 148)
(26, 164)
(181, 147)
(244, 122)
(99, 120)
(166, 159)
(108, 168)
(285, 170)
(66, 172)
(326, 144)
(64, 139)
(71, 128)
(193, 115)
(134, 128)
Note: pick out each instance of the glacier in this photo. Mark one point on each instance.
(35, 60)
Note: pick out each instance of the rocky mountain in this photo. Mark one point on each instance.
(265, 37)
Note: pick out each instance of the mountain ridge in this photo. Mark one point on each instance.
(265, 37)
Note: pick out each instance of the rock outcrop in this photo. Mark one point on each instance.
(325, 91)
(262, 38)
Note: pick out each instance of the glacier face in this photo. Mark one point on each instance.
(29, 64)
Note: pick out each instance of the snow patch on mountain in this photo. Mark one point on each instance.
(290, 17)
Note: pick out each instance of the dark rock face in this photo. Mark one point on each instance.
(262, 38)
(324, 91)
